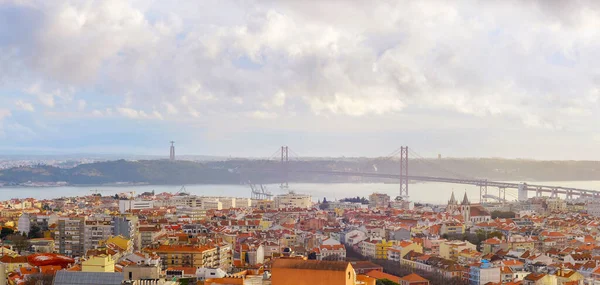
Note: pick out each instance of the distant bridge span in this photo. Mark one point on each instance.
(483, 184)
(523, 188)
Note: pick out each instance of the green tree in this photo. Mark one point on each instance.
(19, 242)
(6, 232)
(386, 282)
(35, 232)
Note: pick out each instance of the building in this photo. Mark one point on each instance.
(127, 227)
(141, 272)
(129, 205)
(335, 252)
(379, 200)
(555, 205)
(413, 279)
(98, 263)
(150, 234)
(194, 213)
(451, 249)
(64, 277)
(194, 255)
(293, 200)
(312, 272)
(24, 223)
(484, 274)
(69, 236)
(96, 230)
(593, 207)
(397, 251)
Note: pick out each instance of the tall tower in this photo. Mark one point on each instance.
(172, 155)
(465, 208)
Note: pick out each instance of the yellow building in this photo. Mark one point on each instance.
(98, 263)
(521, 243)
(13, 263)
(121, 242)
(265, 225)
(563, 276)
(381, 248)
(264, 204)
(402, 248)
(452, 249)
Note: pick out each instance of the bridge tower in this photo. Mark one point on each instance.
(284, 167)
(404, 171)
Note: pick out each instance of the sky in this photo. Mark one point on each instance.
(513, 79)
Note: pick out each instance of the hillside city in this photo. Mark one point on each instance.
(178, 238)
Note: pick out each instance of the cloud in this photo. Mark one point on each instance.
(45, 98)
(25, 106)
(81, 104)
(132, 113)
(508, 64)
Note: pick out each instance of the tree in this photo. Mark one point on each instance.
(386, 282)
(6, 232)
(35, 232)
(312, 255)
(503, 215)
(19, 242)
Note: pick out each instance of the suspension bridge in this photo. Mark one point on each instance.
(486, 187)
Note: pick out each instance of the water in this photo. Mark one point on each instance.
(437, 193)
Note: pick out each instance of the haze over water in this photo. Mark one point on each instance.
(436, 193)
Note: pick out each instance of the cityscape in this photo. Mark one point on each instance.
(247, 142)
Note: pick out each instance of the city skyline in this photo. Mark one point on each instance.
(226, 78)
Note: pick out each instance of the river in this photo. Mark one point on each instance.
(436, 193)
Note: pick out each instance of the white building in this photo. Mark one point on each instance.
(24, 223)
(96, 229)
(128, 205)
(194, 213)
(332, 252)
(480, 275)
(243, 202)
(593, 208)
(203, 273)
(293, 200)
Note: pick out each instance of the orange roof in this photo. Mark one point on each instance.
(186, 270)
(380, 275)
(413, 277)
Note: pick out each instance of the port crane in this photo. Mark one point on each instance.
(259, 192)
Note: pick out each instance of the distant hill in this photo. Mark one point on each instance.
(257, 171)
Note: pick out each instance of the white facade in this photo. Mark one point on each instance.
(243, 202)
(293, 200)
(96, 229)
(195, 213)
(483, 275)
(24, 223)
(593, 208)
(128, 205)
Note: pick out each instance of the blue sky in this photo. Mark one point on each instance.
(241, 78)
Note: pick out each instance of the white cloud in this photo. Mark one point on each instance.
(170, 108)
(519, 65)
(81, 104)
(132, 113)
(45, 98)
(25, 106)
(262, 115)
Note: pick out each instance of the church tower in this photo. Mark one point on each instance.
(452, 205)
(465, 208)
